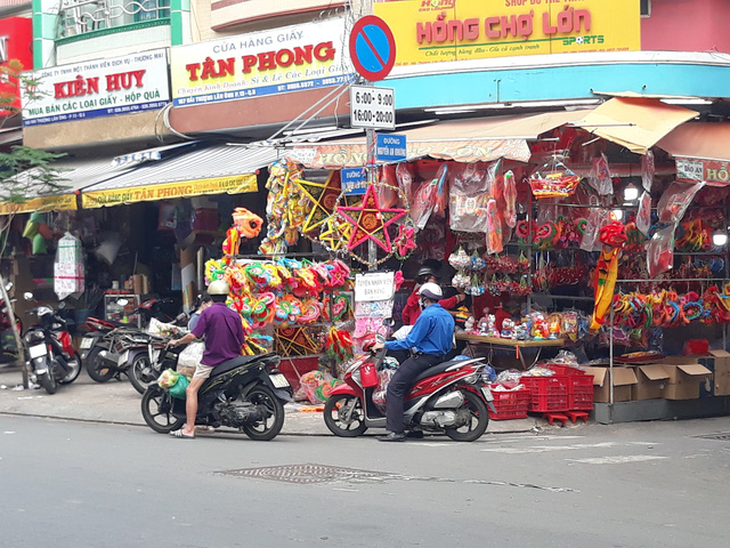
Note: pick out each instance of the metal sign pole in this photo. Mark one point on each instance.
(370, 144)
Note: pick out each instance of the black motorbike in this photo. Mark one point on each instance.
(247, 393)
(52, 359)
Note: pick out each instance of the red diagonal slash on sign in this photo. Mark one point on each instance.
(372, 47)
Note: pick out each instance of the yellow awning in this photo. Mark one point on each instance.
(699, 140)
(634, 123)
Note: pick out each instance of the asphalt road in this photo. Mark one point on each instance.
(70, 484)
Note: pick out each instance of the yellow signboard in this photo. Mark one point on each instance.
(42, 203)
(167, 191)
(430, 31)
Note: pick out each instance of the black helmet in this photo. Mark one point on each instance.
(426, 271)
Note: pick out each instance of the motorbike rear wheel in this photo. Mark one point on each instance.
(478, 421)
(96, 368)
(48, 381)
(74, 365)
(157, 411)
(141, 373)
(270, 427)
(356, 425)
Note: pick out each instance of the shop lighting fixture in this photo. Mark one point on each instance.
(617, 214)
(719, 239)
(462, 109)
(688, 101)
(631, 193)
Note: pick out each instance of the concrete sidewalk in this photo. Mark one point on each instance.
(118, 402)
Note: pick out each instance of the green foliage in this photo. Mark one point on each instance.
(27, 172)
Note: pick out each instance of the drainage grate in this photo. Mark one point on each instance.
(312, 473)
(724, 436)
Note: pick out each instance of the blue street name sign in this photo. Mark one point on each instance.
(353, 180)
(390, 148)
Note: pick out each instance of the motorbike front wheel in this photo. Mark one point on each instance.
(268, 428)
(349, 427)
(48, 381)
(141, 373)
(477, 422)
(97, 369)
(74, 369)
(157, 411)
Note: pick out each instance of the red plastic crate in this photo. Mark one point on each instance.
(580, 393)
(510, 405)
(548, 393)
(562, 369)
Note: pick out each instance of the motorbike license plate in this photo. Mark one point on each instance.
(37, 351)
(86, 343)
(487, 393)
(279, 381)
(123, 358)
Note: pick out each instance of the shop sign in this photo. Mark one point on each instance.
(101, 87)
(41, 203)
(353, 155)
(167, 191)
(430, 31)
(16, 36)
(353, 180)
(374, 286)
(294, 58)
(712, 172)
(391, 148)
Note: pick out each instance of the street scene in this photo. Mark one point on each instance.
(373, 273)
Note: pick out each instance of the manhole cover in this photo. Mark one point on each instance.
(725, 436)
(312, 473)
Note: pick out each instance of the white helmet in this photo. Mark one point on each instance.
(218, 287)
(431, 291)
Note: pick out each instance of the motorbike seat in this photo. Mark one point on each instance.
(229, 365)
(442, 367)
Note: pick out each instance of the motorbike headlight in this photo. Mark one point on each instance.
(33, 337)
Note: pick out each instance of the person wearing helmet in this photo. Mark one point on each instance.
(430, 340)
(224, 339)
(205, 302)
(412, 310)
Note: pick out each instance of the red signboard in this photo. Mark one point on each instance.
(16, 39)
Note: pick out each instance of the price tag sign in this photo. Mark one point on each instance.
(372, 108)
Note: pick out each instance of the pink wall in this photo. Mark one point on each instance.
(687, 25)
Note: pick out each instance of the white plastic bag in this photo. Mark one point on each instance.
(191, 355)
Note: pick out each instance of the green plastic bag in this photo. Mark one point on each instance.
(177, 390)
(39, 245)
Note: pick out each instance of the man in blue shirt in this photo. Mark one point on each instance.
(431, 338)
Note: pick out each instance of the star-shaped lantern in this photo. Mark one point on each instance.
(335, 232)
(323, 197)
(369, 221)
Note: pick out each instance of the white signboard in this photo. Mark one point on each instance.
(282, 60)
(374, 286)
(102, 87)
(372, 108)
(690, 170)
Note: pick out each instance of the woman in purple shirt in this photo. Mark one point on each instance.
(224, 338)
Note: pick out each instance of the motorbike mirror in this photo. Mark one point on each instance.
(390, 322)
(8, 286)
(61, 305)
(122, 302)
(28, 296)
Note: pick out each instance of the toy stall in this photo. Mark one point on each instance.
(592, 275)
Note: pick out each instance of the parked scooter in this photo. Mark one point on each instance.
(448, 398)
(52, 359)
(247, 393)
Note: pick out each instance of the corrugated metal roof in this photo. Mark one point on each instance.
(216, 161)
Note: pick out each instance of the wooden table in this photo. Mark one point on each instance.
(478, 340)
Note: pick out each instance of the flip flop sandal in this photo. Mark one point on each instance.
(179, 434)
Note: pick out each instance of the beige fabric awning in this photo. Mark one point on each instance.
(699, 140)
(635, 123)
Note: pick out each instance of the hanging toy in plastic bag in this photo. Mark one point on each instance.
(494, 228)
(643, 216)
(510, 198)
(460, 260)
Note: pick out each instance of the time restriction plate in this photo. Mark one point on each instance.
(372, 108)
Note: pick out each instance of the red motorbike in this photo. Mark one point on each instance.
(447, 398)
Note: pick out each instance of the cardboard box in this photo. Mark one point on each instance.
(684, 380)
(651, 382)
(623, 381)
(717, 361)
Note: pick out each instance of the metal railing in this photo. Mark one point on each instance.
(81, 16)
